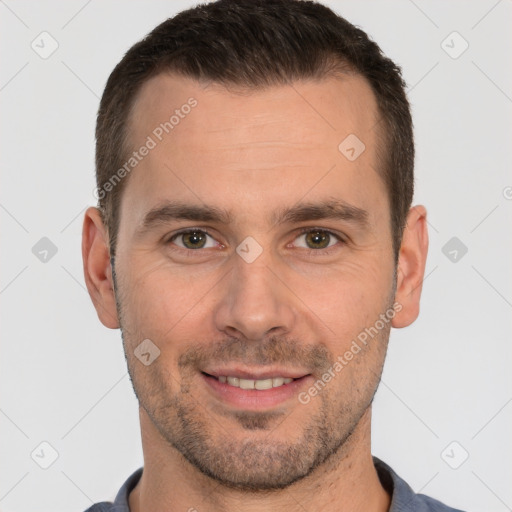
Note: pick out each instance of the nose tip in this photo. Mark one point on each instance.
(253, 335)
(254, 304)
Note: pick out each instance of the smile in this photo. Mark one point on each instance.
(260, 384)
(246, 392)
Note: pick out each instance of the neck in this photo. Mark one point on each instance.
(347, 481)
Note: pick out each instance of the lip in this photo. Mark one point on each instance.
(247, 373)
(253, 399)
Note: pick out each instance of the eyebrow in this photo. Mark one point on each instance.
(328, 209)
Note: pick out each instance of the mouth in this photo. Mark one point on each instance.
(255, 391)
(259, 384)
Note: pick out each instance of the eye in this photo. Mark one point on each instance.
(316, 241)
(193, 239)
(318, 238)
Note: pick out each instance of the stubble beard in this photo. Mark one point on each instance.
(257, 458)
(253, 462)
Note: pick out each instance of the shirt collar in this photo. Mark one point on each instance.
(402, 495)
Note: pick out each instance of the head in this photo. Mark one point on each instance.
(255, 175)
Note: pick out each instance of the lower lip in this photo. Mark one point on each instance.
(255, 399)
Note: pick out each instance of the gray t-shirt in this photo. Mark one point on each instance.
(403, 498)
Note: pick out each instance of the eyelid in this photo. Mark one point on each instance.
(324, 230)
(327, 250)
(301, 231)
(185, 231)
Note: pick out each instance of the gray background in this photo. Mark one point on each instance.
(446, 390)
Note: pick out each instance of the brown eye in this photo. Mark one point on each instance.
(193, 239)
(318, 239)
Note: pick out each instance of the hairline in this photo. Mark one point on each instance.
(336, 68)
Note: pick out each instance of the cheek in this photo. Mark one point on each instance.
(351, 289)
(349, 300)
(162, 305)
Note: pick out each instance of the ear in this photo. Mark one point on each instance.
(411, 267)
(97, 268)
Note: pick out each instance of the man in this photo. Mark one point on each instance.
(255, 242)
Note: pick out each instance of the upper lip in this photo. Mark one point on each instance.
(253, 374)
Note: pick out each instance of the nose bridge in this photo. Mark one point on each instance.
(255, 301)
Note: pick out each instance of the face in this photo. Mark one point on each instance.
(251, 248)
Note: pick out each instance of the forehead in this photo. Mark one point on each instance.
(276, 142)
(331, 105)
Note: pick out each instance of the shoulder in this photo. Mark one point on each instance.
(428, 504)
(403, 498)
(121, 503)
(104, 506)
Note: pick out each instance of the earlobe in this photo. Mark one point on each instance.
(97, 268)
(411, 267)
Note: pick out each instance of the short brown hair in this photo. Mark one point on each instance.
(254, 44)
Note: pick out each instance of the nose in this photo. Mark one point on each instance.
(255, 301)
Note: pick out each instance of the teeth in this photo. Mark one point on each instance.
(246, 384)
(234, 381)
(275, 382)
(263, 384)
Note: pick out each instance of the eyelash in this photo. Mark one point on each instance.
(309, 252)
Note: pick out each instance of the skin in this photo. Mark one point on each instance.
(293, 307)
